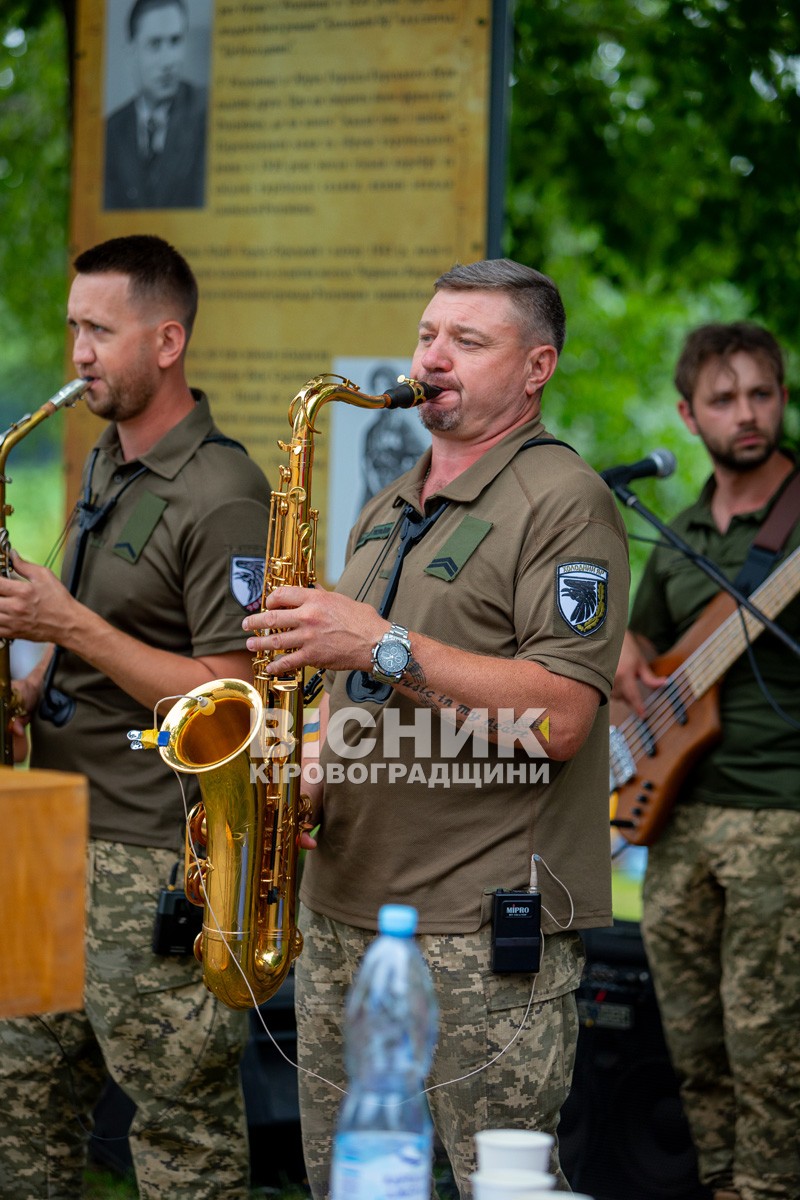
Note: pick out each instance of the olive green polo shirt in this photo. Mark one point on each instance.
(530, 561)
(757, 762)
(177, 565)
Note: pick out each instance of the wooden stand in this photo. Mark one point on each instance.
(43, 825)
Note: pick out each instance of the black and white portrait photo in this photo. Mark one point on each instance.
(156, 101)
(368, 449)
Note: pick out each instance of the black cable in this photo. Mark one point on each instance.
(759, 678)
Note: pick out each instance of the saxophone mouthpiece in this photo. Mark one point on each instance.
(70, 392)
(410, 392)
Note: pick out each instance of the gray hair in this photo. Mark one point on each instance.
(534, 296)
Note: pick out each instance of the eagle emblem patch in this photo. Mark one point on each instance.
(247, 581)
(582, 596)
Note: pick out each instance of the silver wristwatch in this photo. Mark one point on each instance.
(391, 655)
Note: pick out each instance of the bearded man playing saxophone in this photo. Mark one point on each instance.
(515, 599)
(170, 512)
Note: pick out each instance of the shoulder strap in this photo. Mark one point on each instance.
(221, 440)
(546, 442)
(768, 543)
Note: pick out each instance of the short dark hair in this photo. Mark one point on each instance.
(721, 340)
(534, 295)
(141, 7)
(156, 270)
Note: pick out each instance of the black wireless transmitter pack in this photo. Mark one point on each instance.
(177, 923)
(516, 931)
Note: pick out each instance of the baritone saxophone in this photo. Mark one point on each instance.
(10, 705)
(243, 742)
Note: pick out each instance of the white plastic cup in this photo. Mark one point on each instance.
(513, 1149)
(497, 1184)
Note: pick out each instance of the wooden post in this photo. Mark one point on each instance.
(43, 826)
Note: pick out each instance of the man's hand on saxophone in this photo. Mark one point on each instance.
(315, 628)
(33, 603)
(26, 693)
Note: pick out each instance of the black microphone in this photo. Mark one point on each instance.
(660, 463)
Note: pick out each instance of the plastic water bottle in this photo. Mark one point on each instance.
(383, 1143)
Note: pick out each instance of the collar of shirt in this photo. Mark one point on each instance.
(470, 483)
(699, 514)
(171, 453)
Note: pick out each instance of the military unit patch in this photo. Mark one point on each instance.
(247, 581)
(582, 596)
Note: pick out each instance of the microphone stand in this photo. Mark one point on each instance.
(631, 500)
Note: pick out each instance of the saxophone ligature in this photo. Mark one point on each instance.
(243, 743)
(10, 706)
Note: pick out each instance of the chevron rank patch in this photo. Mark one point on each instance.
(247, 581)
(582, 595)
(140, 524)
(458, 548)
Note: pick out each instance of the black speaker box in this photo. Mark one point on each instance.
(623, 1134)
(269, 1079)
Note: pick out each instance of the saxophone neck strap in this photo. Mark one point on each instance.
(546, 442)
(413, 527)
(55, 706)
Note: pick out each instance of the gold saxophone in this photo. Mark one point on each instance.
(10, 705)
(244, 745)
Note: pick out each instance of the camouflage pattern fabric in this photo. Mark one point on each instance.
(480, 1013)
(163, 1037)
(722, 931)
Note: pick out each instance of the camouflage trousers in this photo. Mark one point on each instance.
(148, 1022)
(722, 931)
(479, 1014)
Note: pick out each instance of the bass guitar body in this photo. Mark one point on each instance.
(651, 756)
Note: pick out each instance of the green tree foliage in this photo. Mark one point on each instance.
(34, 197)
(651, 171)
(668, 129)
(653, 150)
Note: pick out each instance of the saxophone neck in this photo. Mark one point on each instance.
(318, 391)
(65, 397)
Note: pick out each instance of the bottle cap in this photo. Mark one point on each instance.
(397, 920)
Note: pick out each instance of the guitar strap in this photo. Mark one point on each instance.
(770, 540)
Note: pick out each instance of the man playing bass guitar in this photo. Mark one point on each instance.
(721, 919)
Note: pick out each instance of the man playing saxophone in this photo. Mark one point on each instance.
(171, 518)
(470, 648)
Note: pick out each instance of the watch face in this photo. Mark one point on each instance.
(392, 657)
